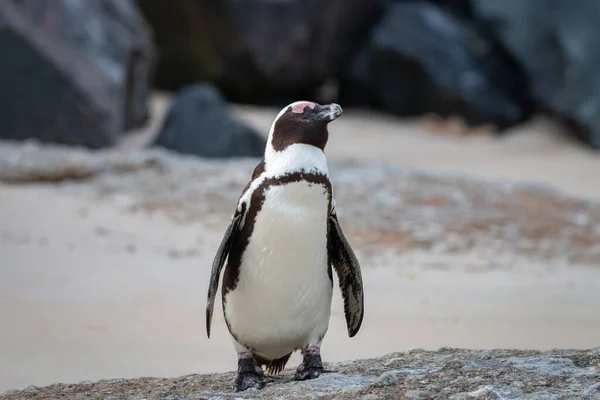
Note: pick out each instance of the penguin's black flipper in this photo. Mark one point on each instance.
(345, 263)
(219, 261)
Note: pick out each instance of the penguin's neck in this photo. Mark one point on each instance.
(297, 157)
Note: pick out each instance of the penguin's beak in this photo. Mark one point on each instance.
(327, 112)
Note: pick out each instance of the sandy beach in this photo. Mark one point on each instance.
(90, 290)
(538, 151)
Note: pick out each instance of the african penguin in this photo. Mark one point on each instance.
(280, 248)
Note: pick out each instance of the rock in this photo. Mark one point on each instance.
(198, 123)
(371, 397)
(355, 381)
(34, 162)
(31, 389)
(418, 395)
(546, 366)
(461, 8)
(114, 380)
(421, 58)
(593, 391)
(557, 45)
(75, 73)
(256, 51)
(386, 379)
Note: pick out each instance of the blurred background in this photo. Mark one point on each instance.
(466, 164)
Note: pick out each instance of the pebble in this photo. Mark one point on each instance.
(593, 390)
(101, 231)
(371, 397)
(385, 379)
(31, 389)
(116, 380)
(395, 361)
(578, 219)
(417, 395)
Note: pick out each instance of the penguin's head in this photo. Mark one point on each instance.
(303, 122)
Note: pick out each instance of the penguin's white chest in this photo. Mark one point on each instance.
(283, 296)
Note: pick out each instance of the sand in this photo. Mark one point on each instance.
(540, 150)
(90, 291)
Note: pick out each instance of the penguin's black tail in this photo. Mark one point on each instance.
(273, 366)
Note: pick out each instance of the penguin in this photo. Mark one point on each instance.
(278, 252)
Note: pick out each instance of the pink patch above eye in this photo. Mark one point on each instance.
(298, 108)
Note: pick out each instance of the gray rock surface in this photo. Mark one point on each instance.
(199, 123)
(459, 7)
(421, 58)
(556, 43)
(73, 72)
(412, 374)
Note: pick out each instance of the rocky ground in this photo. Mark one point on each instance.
(413, 374)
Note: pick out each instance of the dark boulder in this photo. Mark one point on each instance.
(74, 73)
(199, 123)
(256, 51)
(557, 43)
(421, 58)
(459, 7)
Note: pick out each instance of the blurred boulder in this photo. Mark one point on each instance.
(199, 123)
(557, 43)
(73, 72)
(421, 58)
(256, 51)
(459, 7)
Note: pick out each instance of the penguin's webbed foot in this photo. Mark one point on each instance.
(247, 380)
(311, 367)
(249, 375)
